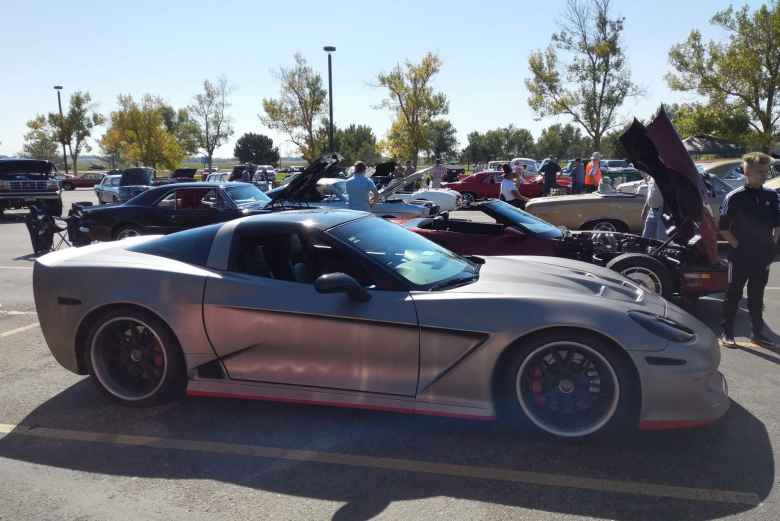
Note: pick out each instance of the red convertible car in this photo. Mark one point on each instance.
(687, 264)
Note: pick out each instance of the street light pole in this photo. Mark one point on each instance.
(330, 49)
(58, 88)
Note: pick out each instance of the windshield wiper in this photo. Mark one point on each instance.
(455, 282)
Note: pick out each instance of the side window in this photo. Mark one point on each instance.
(290, 257)
(190, 199)
(115, 181)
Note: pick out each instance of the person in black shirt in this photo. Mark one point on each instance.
(750, 222)
(550, 170)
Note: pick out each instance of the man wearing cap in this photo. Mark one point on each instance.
(360, 189)
(750, 222)
(550, 170)
(593, 173)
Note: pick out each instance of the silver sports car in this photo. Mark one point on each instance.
(339, 307)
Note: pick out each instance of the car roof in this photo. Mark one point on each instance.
(319, 218)
(153, 193)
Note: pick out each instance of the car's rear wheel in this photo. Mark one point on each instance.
(570, 385)
(468, 198)
(127, 231)
(607, 225)
(134, 358)
(645, 271)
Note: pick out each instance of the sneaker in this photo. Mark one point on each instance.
(727, 339)
(760, 340)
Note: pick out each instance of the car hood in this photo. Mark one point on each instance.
(306, 181)
(580, 198)
(658, 150)
(552, 277)
(397, 184)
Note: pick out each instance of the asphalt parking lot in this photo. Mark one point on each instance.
(67, 453)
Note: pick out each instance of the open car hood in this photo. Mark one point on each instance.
(658, 150)
(306, 181)
(397, 184)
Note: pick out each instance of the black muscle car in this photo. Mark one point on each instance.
(171, 208)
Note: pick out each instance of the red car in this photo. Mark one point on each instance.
(502, 229)
(71, 182)
(687, 264)
(486, 185)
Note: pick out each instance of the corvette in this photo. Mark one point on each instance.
(338, 307)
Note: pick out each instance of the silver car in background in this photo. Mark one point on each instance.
(107, 191)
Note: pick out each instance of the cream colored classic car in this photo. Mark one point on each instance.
(610, 211)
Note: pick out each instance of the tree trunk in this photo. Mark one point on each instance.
(209, 162)
(597, 143)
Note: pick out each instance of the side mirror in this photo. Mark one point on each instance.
(341, 283)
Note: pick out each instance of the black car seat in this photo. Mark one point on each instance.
(299, 267)
(252, 261)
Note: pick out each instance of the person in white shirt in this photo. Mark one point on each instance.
(654, 208)
(361, 190)
(509, 191)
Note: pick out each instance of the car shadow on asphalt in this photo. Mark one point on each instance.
(734, 454)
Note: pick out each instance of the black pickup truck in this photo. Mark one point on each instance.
(25, 182)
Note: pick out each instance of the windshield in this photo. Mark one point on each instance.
(246, 195)
(136, 178)
(508, 214)
(26, 167)
(616, 163)
(418, 260)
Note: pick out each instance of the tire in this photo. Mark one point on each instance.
(607, 225)
(68, 186)
(570, 385)
(134, 359)
(646, 271)
(128, 230)
(468, 199)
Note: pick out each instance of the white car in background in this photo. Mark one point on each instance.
(333, 194)
(107, 191)
(403, 189)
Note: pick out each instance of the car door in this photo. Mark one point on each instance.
(271, 326)
(198, 207)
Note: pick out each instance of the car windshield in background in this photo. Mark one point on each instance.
(25, 167)
(416, 259)
(136, 178)
(247, 195)
(617, 163)
(508, 214)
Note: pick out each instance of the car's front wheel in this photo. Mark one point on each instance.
(570, 385)
(468, 198)
(645, 271)
(127, 231)
(134, 358)
(607, 225)
(68, 186)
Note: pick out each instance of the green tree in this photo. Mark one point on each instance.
(208, 109)
(563, 142)
(75, 127)
(595, 81)
(475, 151)
(442, 139)
(40, 141)
(257, 149)
(744, 70)
(354, 143)
(726, 121)
(299, 107)
(139, 134)
(414, 103)
(187, 131)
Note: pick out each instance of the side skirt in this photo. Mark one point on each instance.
(204, 387)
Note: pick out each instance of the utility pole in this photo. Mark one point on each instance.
(58, 88)
(330, 49)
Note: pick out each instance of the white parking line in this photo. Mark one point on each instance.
(18, 330)
(15, 267)
(401, 465)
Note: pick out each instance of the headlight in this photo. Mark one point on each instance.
(662, 326)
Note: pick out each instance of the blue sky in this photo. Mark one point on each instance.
(169, 47)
